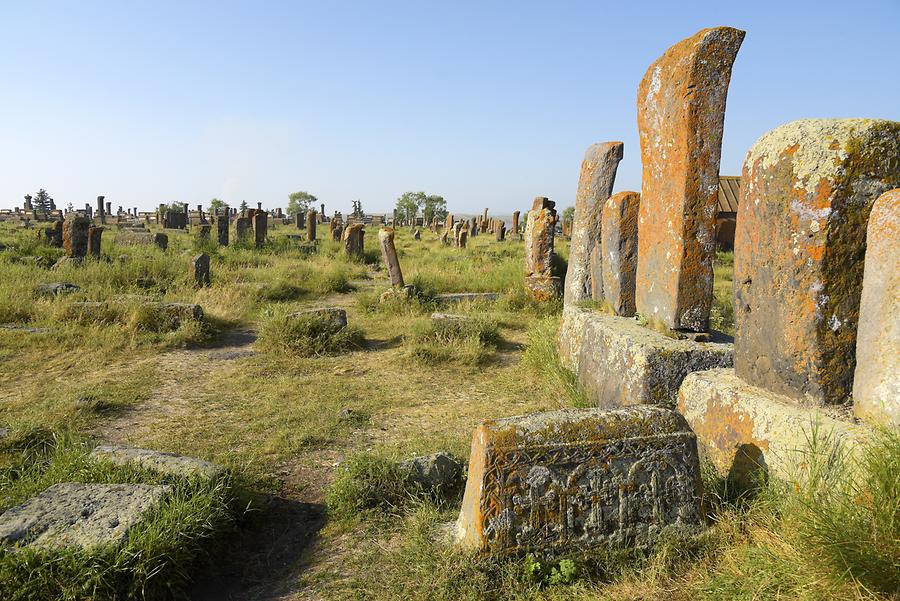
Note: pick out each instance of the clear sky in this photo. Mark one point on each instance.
(488, 104)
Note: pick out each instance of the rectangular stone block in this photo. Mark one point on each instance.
(742, 428)
(169, 464)
(619, 362)
(578, 478)
(80, 515)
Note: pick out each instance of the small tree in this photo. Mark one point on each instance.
(243, 205)
(41, 201)
(299, 202)
(434, 207)
(215, 204)
(408, 205)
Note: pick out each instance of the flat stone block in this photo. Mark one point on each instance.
(72, 514)
(169, 464)
(578, 478)
(471, 297)
(620, 362)
(334, 314)
(735, 421)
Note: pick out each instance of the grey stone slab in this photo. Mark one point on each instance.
(335, 314)
(158, 461)
(461, 297)
(73, 514)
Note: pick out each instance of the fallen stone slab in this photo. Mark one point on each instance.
(449, 317)
(578, 478)
(742, 428)
(471, 297)
(619, 362)
(21, 328)
(169, 464)
(56, 288)
(438, 471)
(334, 314)
(178, 312)
(80, 515)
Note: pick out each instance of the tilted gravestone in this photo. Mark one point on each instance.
(574, 479)
(354, 243)
(389, 255)
(876, 382)
(584, 276)
(681, 112)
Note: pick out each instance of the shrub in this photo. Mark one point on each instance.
(466, 341)
(308, 335)
(365, 481)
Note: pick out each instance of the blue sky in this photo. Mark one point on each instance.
(488, 104)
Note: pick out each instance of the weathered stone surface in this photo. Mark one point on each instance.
(311, 226)
(299, 220)
(619, 249)
(200, 269)
(449, 317)
(735, 421)
(161, 240)
(242, 227)
(876, 382)
(337, 231)
(222, 230)
(354, 244)
(584, 279)
(438, 471)
(336, 315)
(681, 111)
(573, 479)
(543, 288)
(93, 241)
(80, 515)
(56, 288)
(619, 362)
(461, 297)
(75, 235)
(169, 464)
(260, 223)
(806, 192)
(178, 312)
(389, 255)
(540, 282)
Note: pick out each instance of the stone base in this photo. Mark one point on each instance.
(543, 288)
(80, 515)
(741, 427)
(619, 362)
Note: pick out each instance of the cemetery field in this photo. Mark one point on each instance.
(311, 423)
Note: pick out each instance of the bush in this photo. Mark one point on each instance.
(365, 481)
(467, 341)
(308, 335)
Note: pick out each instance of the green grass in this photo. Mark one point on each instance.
(542, 359)
(307, 335)
(468, 341)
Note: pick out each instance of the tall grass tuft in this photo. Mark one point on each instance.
(469, 341)
(542, 359)
(307, 335)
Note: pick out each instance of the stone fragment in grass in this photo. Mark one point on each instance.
(179, 312)
(200, 269)
(461, 297)
(80, 515)
(577, 478)
(449, 317)
(438, 471)
(334, 314)
(56, 288)
(168, 464)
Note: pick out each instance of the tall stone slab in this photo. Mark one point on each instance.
(876, 383)
(584, 276)
(681, 112)
(574, 479)
(806, 192)
(93, 241)
(311, 226)
(619, 249)
(389, 255)
(515, 222)
(75, 235)
(353, 240)
(200, 269)
(260, 228)
(540, 282)
(222, 229)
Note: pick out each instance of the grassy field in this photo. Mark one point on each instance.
(301, 418)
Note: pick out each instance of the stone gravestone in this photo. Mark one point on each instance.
(540, 283)
(389, 254)
(500, 230)
(200, 269)
(876, 381)
(619, 249)
(222, 228)
(354, 240)
(299, 219)
(75, 235)
(417, 235)
(311, 225)
(577, 478)
(337, 231)
(463, 237)
(242, 228)
(260, 228)
(54, 234)
(681, 111)
(93, 241)
(584, 276)
(515, 222)
(806, 193)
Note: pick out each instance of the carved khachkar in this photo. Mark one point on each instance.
(573, 479)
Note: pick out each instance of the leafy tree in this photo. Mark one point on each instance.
(216, 204)
(41, 201)
(299, 202)
(434, 206)
(176, 207)
(408, 205)
(243, 205)
(568, 214)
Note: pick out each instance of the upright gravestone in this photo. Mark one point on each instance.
(299, 219)
(93, 241)
(540, 283)
(619, 248)
(389, 255)
(499, 230)
(242, 229)
(463, 237)
(354, 240)
(337, 231)
(681, 111)
(75, 235)
(200, 269)
(515, 222)
(876, 382)
(311, 225)
(573, 479)
(584, 276)
(260, 228)
(484, 220)
(222, 228)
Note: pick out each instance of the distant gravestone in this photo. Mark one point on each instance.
(353, 240)
(75, 235)
(574, 479)
(93, 241)
(260, 223)
(311, 225)
(222, 229)
(389, 255)
(242, 229)
(540, 282)
(200, 269)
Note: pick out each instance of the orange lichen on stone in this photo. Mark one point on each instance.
(681, 111)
